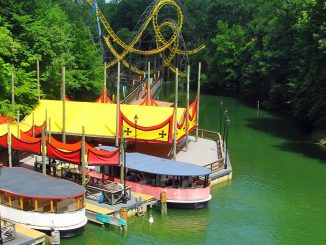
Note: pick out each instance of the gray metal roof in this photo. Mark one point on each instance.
(161, 166)
(28, 183)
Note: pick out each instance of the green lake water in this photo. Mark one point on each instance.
(277, 194)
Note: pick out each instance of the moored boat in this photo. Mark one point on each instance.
(186, 185)
(42, 202)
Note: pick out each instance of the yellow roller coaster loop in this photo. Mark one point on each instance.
(162, 45)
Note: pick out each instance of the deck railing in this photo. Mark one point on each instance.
(134, 95)
(212, 135)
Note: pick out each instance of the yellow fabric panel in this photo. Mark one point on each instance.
(160, 134)
(149, 115)
(3, 129)
(99, 119)
(13, 129)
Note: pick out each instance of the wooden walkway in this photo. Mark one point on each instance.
(98, 209)
(142, 196)
(25, 235)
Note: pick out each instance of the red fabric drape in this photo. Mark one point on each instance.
(68, 156)
(4, 119)
(101, 157)
(193, 108)
(37, 130)
(4, 140)
(151, 101)
(100, 98)
(63, 146)
(27, 138)
(33, 145)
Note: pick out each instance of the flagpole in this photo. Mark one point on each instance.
(148, 82)
(198, 100)
(104, 84)
(118, 108)
(187, 109)
(175, 116)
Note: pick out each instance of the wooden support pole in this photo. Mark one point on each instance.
(9, 200)
(83, 160)
(35, 204)
(9, 145)
(77, 203)
(33, 124)
(38, 79)
(118, 108)
(129, 66)
(63, 98)
(18, 128)
(149, 83)
(163, 199)
(49, 132)
(198, 100)
(21, 203)
(43, 150)
(12, 84)
(187, 109)
(51, 206)
(104, 84)
(175, 128)
(122, 170)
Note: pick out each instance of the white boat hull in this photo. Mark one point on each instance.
(63, 222)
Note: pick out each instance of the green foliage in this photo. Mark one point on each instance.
(53, 31)
(272, 51)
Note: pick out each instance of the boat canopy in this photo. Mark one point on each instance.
(30, 184)
(141, 123)
(161, 166)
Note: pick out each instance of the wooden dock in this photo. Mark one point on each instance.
(102, 213)
(25, 235)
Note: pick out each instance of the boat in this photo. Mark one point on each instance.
(186, 185)
(42, 202)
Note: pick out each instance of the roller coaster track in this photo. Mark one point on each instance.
(163, 45)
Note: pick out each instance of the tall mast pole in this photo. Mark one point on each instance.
(148, 82)
(83, 162)
(63, 98)
(118, 108)
(9, 145)
(198, 100)
(175, 116)
(12, 84)
(38, 79)
(187, 110)
(104, 84)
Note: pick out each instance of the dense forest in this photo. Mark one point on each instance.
(268, 50)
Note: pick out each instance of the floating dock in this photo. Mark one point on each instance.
(105, 214)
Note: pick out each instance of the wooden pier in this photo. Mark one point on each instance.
(14, 234)
(105, 214)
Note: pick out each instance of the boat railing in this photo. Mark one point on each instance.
(42, 205)
(8, 231)
(216, 136)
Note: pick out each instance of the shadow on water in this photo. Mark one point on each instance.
(307, 149)
(298, 140)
